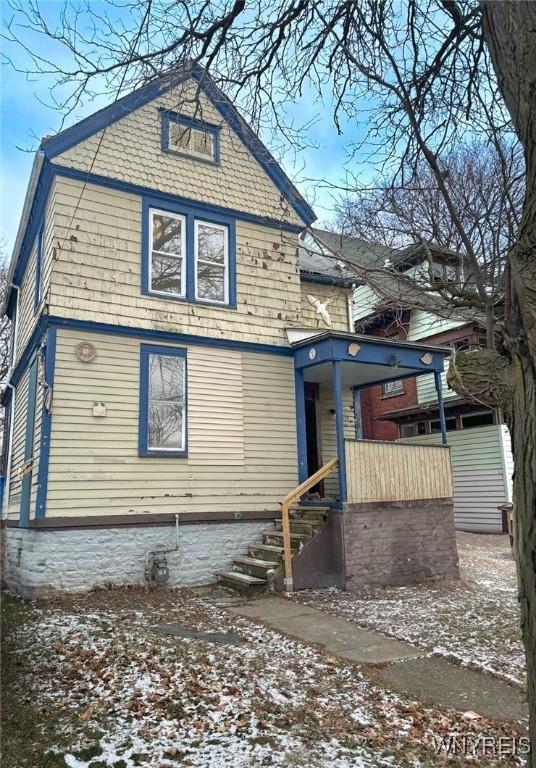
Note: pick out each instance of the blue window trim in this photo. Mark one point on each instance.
(145, 351)
(191, 213)
(39, 267)
(190, 122)
(46, 427)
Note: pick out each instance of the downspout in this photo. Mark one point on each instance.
(7, 481)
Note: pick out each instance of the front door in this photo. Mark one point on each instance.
(314, 456)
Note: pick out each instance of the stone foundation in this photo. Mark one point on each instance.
(41, 562)
(402, 542)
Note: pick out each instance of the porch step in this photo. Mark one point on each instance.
(240, 580)
(301, 525)
(308, 513)
(255, 566)
(266, 551)
(274, 536)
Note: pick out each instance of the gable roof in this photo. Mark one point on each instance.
(56, 145)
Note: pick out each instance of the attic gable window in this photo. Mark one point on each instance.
(187, 136)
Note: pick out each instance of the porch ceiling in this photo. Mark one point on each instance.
(357, 374)
(365, 360)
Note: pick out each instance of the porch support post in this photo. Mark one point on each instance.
(301, 429)
(439, 390)
(357, 411)
(339, 423)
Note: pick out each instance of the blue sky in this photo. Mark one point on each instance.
(27, 115)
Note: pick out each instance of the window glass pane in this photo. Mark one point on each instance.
(167, 234)
(392, 386)
(165, 425)
(210, 282)
(179, 136)
(166, 402)
(166, 378)
(477, 420)
(435, 426)
(202, 143)
(166, 274)
(211, 243)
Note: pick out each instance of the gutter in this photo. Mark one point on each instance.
(39, 159)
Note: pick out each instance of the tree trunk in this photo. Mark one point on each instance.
(510, 32)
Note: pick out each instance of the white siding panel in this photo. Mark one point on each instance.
(426, 391)
(478, 476)
(423, 324)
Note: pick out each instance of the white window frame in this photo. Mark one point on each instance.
(225, 229)
(161, 449)
(399, 390)
(182, 257)
(189, 150)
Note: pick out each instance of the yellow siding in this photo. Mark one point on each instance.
(130, 150)
(241, 433)
(97, 274)
(328, 434)
(19, 439)
(336, 299)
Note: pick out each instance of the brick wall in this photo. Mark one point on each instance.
(403, 542)
(374, 403)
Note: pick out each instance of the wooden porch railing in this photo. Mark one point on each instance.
(289, 499)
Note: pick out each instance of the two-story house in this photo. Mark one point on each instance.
(175, 374)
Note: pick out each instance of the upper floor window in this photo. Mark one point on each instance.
(188, 136)
(188, 255)
(393, 387)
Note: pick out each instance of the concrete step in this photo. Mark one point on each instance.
(243, 581)
(262, 569)
(269, 552)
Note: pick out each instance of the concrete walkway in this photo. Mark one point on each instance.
(402, 667)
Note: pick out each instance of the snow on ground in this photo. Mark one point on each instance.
(126, 696)
(474, 621)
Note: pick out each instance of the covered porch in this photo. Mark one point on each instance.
(337, 366)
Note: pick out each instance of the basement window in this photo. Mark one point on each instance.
(187, 136)
(162, 401)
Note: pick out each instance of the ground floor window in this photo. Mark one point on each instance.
(162, 401)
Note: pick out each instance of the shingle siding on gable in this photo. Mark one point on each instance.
(97, 276)
(337, 306)
(131, 151)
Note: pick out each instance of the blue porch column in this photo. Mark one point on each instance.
(301, 429)
(339, 424)
(439, 390)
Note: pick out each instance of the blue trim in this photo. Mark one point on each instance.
(46, 428)
(82, 130)
(26, 490)
(339, 423)
(165, 198)
(192, 213)
(169, 336)
(358, 413)
(24, 360)
(190, 122)
(371, 352)
(301, 428)
(343, 282)
(39, 266)
(263, 156)
(114, 112)
(439, 389)
(145, 351)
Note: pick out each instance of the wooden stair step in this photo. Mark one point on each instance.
(269, 550)
(254, 561)
(279, 534)
(242, 579)
(300, 525)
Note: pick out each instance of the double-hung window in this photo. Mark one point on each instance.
(162, 401)
(189, 255)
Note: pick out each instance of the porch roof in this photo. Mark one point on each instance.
(365, 360)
